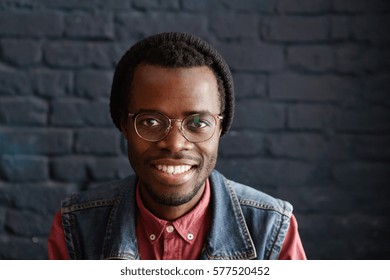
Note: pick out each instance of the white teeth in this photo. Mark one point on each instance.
(173, 169)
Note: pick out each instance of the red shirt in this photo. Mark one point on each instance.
(179, 239)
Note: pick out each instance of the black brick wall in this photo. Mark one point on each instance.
(312, 120)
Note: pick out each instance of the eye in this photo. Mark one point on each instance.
(150, 122)
(198, 122)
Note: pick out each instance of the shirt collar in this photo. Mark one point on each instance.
(187, 226)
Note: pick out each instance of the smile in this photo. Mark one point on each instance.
(173, 169)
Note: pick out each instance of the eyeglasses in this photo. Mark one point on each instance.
(195, 128)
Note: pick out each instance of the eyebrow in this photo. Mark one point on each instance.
(188, 113)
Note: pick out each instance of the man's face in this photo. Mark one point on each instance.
(176, 93)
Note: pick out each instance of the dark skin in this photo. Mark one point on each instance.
(177, 93)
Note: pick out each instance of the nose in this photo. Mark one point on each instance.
(175, 141)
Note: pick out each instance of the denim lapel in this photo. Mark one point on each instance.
(229, 237)
(120, 240)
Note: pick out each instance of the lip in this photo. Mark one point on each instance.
(174, 162)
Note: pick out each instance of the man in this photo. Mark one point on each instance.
(172, 99)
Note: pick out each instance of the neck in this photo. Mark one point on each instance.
(166, 212)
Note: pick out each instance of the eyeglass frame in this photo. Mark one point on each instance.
(169, 128)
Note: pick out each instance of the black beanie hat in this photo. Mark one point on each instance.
(125, 68)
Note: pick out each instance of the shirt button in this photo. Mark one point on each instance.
(170, 229)
(190, 236)
(152, 237)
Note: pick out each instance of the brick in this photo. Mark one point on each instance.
(340, 27)
(372, 119)
(76, 113)
(250, 85)
(89, 25)
(377, 60)
(24, 168)
(69, 168)
(109, 168)
(23, 248)
(114, 4)
(308, 146)
(351, 59)
(366, 6)
(38, 198)
(374, 204)
(375, 29)
(10, 83)
(77, 55)
(200, 5)
(97, 142)
(50, 83)
(307, 218)
(31, 24)
(252, 56)
(85, 4)
(5, 201)
(22, 111)
(253, 114)
(91, 5)
(266, 174)
(23, 223)
(294, 29)
(312, 87)
(359, 59)
(2, 224)
(35, 141)
(70, 4)
(304, 116)
(93, 84)
(16, 3)
(156, 4)
(67, 54)
(329, 198)
(20, 52)
(304, 6)
(242, 144)
(2, 218)
(377, 88)
(265, 6)
(372, 175)
(311, 58)
(233, 25)
(368, 147)
(142, 26)
(335, 230)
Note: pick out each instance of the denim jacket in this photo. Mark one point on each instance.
(245, 223)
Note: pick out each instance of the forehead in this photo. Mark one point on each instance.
(174, 90)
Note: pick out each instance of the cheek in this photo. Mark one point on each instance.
(136, 146)
(210, 149)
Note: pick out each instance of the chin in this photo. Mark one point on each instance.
(172, 195)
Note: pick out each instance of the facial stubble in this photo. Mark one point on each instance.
(175, 199)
